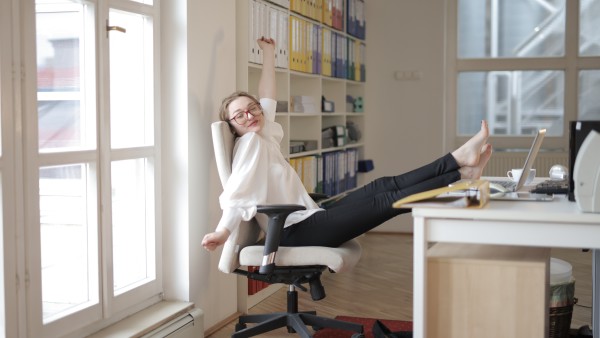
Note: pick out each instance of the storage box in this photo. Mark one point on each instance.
(297, 146)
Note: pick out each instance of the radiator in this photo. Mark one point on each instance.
(502, 161)
(188, 325)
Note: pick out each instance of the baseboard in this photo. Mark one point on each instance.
(221, 324)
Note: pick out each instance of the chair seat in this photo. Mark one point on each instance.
(338, 259)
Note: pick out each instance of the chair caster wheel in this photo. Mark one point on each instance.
(239, 327)
(358, 335)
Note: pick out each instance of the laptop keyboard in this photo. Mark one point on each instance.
(506, 184)
(552, 187)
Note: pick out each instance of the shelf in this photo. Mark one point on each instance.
(307, 86)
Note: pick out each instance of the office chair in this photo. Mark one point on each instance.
(249, 245)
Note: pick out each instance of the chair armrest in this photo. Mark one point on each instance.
(317, 196)
(277, 215)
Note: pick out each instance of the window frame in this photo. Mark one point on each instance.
(149, 292)
(571, 63)
(10, 174)
(109, 308)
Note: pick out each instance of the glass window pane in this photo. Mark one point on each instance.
(59, 124)
(64, 97)
(510, 28)
(68, 240)
(513, 102)
(133, 223)
(131, 81)
(589, 22)
(589, 100)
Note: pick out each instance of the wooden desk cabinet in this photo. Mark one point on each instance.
(487, 291)
(555, 224)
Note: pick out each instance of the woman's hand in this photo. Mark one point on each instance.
(215, 239)
(266, 43)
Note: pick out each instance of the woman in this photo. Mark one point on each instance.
(262, 176)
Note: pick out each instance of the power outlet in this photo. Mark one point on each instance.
(407, 75)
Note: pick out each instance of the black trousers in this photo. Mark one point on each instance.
(369, 206)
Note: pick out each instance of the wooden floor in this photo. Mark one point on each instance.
(380, 286)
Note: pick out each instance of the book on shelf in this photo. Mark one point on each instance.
(315, 47)
(270, 21)
(331, 173)
(326, 52)
(319, 188)
(462, 194)
(312, 9)
(355, 18)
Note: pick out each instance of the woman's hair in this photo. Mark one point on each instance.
(224, 110)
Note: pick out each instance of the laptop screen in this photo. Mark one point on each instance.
(533, 151)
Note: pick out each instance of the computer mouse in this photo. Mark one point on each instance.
(558, 172)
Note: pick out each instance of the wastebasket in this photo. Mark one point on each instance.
(562, 298)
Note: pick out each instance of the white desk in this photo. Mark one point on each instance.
(546, 224)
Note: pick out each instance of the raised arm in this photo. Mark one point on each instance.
(266, 85)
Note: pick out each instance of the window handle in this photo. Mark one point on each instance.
(114, 28)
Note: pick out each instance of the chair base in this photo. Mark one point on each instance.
(294, 321)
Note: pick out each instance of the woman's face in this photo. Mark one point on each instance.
(245, 116)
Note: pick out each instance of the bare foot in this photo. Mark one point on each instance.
(468, 154)
(474, 172)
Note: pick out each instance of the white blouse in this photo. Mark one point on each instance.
(261, 176)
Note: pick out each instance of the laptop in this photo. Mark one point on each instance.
(514, 191)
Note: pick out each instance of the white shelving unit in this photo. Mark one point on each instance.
(297, 125)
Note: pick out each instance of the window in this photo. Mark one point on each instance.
(92, 217)
(523, 65)
(68, 217)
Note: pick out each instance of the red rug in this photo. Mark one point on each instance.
(393, 325)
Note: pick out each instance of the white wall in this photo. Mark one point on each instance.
(211, 53)
(212, 77)
(405, 121)
(198, 72)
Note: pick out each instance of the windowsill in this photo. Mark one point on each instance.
(145, 321)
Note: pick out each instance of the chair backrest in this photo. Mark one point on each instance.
(223, 142)
(248, 233)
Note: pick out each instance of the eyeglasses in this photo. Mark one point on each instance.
(242, 117)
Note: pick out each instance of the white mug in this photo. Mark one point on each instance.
(515, 175)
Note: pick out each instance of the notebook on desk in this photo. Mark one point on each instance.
(516, 191)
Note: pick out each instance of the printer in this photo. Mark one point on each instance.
(586, 174)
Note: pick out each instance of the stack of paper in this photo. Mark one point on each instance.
(304, 104)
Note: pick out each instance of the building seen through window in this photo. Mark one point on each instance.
(496, 79)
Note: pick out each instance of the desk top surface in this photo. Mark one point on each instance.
(559, 210)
